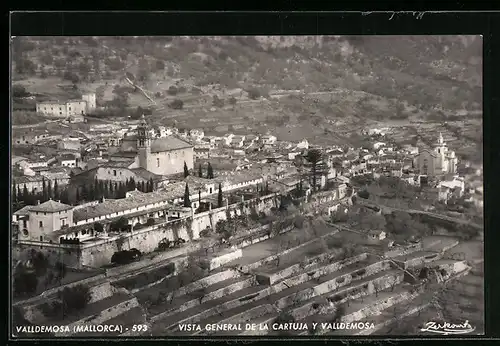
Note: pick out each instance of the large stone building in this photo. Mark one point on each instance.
(59, 109)
(438, 161)
(161, 156)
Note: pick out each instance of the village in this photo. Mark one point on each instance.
(246, 186)
(185, 228)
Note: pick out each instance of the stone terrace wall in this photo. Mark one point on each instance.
(98, 254)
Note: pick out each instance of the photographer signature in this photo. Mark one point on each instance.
(448, 328)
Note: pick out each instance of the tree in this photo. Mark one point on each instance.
(210, 171)
(49, 190)
(186, 170)
(44, 190)
(120, 224)
(40, 263)
(200, 171)
(19, 91)
(254, 94)
(98, 227)
(151, 185)
(187, 201)
(172, 90)
(217, 102)
(314, 156)
(25, 282)
(56, 190)
(25, 193)
(74, 298)
(219, 196)
(176, 104)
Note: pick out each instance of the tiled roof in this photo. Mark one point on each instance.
(135, 199)
(117, 164)
(29, 179)
(128, 154)
(168, 143)
(51, 207)
(145, 174)
(24, 210)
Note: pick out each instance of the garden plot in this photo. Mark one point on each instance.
(394, 315)
(127, 320)
(194, 298)
(146, 278)
(273, 246)
(284, 293)
(93, 311)
(471, 251)
(417, 258)
(243, 297)
(439, 243)
(361, 308)
(169, 324)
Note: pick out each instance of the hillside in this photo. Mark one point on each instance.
(311, 84)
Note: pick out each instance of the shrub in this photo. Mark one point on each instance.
(75, 298)
(206, 232)
(176, 104)
(172, 90)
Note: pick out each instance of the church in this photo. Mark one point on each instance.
(161, 156)
(437, 161)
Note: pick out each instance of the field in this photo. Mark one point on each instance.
(308, 86)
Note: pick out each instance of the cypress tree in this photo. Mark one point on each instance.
(14, 197)
(151, 185)
(199, 196)
(210, 171)
(132, 185)
(26, 194)
(20, 194)
(187, 201)
(200, 171)
(44, 190)
(116, 190)
(49, 190)
(143, 186)
(56, 190)
(219, 197)
(186, 170)
(77, 195)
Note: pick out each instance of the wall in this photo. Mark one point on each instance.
(50, 222)
(171, 162)
(76, 107)
(122, 174)
(54, 109)
(98, 253)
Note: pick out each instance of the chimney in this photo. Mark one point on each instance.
(37, 202)
(59, 201)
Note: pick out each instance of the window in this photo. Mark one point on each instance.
(40, 223)
(60, 113)
(60, 108)
(69, 108)
(44, 213)
(63, 222)
(114, 172)
(41, 238)
(210, 190)
(158, 162)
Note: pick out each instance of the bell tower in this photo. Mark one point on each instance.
(143, 143)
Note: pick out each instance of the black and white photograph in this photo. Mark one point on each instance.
(179, 186)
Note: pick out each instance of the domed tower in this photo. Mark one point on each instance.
(143, 143)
